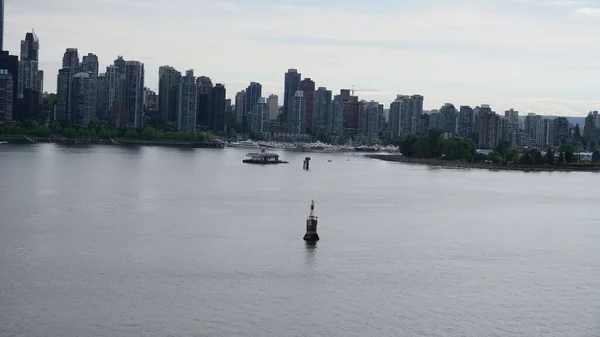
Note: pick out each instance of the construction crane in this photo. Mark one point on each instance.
(353, 90)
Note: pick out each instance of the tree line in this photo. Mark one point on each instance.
(462, 149)
(103, 130)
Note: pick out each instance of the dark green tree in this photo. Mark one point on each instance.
(434, 137)
(596, 156)
(549, 156)
(408, 144)
(526, 159)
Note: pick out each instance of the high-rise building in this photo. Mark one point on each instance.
(240, 99)
(298, 114)
(465, 122)
(40, 85)
(63, 94)
(82, 102)
(371, 121)
(187, 102)
(489, 127)
(448, 114)
(28, 106)
(71, 59)
(168, 87)
(6, 97)
(291, 86)
(417, 111)
(561, 131)
(260, 114)
(89, 64)
(114, 92)
(307, 86)
(11, 64)
(273, 104)
(133, 108)
(101, 96)
(253, 95)
(203, 88)
(321, 112)
(402, 120)
(512, 116)
(337, 113)
(217, 98)
(151, 99)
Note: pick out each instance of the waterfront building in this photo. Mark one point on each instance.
(186, 116)
(291, 86)
(168, 93)
(273, 104)
(307, 86)
(6, 97)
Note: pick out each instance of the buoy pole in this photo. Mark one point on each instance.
(311, 224)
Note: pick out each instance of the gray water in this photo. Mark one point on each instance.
(149, 241)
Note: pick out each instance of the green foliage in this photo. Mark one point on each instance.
(503, 148)
(549, 159)
(596, 156)
(496, 157)
(408, 145)
(526, 159)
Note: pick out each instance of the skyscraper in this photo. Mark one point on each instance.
(187, 102)
(371, 121)
(240, 99)
(11, 64)
(298, 114)
(71, 58)
(168, 87)
(82, 94)
(321, 113)
(253, 95)
(89, 64)
(260, 114)
(204, 86)
(114, 93)
(273, 104)
(27, 93)
(291, 86)
(101, 96)
(307, 86)
(217, 99)
(63, 96)
(6, 97)
(133, 112)
(416, 112)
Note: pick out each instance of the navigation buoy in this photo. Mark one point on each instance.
(311, 224)
(306, 163)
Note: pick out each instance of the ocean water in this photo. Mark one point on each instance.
(151, 241)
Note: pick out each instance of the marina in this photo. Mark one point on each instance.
(313, 147)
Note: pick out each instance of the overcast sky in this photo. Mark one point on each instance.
(532, 55)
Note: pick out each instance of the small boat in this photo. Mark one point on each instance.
(263, 158)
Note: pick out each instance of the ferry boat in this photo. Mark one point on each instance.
(244, 144)
(263, 157)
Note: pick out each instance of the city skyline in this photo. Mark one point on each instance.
(530, 55)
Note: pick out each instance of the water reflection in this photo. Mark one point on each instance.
(310, 252)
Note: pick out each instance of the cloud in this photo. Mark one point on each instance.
(588, 11)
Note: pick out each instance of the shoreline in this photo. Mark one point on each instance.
(113, 142)
(482, 166)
